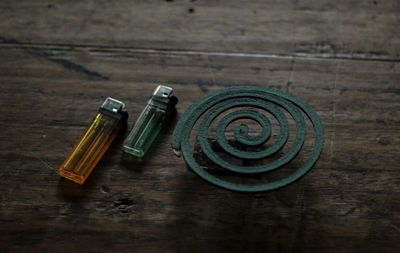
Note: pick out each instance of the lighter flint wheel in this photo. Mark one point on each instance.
(218, 102)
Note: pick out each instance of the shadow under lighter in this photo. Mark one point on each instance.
(150, 122)
(95, 141)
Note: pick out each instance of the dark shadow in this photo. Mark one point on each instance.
(227, 221)
(70, 191)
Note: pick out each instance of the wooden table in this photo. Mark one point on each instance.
(60, 59)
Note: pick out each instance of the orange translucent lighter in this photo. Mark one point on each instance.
(95, 141)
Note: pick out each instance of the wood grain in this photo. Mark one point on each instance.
(60, 60)
(349, 29)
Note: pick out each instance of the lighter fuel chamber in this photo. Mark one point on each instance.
(90, 148)
(150, 122)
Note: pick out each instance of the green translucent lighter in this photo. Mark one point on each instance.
(150, 122)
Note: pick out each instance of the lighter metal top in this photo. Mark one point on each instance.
(163, 91)
(113, 105)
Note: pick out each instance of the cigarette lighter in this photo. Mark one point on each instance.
(150, 122)
(90, 148)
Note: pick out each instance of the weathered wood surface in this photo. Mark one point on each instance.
(359, 28)
(58, 61)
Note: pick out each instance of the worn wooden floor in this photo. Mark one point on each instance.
(60, 59)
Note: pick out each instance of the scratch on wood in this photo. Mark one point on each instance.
(350, 211)
(76, 67)
(45, 163)
(210, 70)
(65, 63)
(395, 227)
(333, 135)
(290, 75)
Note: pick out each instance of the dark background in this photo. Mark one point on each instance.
(60, 59)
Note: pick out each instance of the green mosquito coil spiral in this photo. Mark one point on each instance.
(225, 100)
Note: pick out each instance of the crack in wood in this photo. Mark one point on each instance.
(353, 56)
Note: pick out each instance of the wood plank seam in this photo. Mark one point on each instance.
(313, 56)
